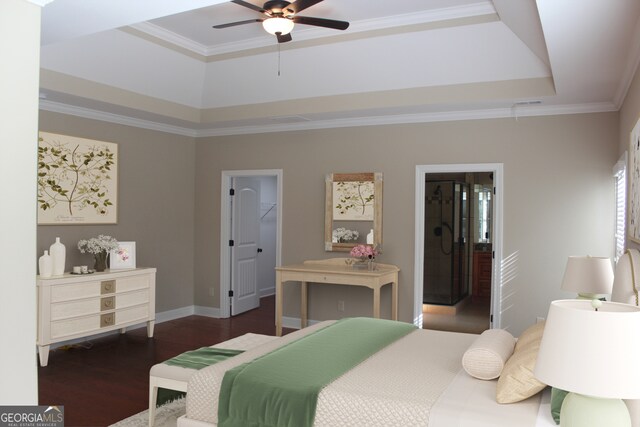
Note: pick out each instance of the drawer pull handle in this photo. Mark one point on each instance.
(107, 303)
(107, 320)
(108, 287)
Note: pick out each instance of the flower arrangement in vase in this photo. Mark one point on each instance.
(365, 255)
(100, 247)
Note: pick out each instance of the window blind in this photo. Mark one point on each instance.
(620, 182)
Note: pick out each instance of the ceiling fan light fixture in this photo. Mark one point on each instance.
(278, 25)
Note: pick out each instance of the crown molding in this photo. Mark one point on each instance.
(444, 14)
(446, 116)
(41, 3)
(171, 37)
(88, 113)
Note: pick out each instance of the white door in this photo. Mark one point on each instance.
(246, 239)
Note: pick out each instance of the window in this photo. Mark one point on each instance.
(620, 181)
(483, 212)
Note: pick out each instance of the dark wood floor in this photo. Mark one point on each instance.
(109, 381)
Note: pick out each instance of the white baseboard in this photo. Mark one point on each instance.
(267, 292)
(207, 311)
(177, 313)
(294, 322)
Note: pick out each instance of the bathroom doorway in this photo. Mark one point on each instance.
(457, 263)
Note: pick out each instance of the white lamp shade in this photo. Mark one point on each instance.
(278, 25)
(590, 352)
(587, 274)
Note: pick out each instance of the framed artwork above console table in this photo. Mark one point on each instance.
(353, 210)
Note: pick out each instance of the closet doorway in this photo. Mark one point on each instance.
(250, 248)
(458, 240)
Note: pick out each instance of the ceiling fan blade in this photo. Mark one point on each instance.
(249, 5)
(233, 24)
(299, 5)
(283, 38)
(321, 22)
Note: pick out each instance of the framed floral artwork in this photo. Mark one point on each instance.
(353, 200)
(124, 256)
(77, 180)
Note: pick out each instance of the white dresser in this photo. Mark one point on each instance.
(75, 306)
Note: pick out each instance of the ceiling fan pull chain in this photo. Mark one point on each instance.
(278, 59)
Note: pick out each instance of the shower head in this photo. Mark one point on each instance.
(437, 191)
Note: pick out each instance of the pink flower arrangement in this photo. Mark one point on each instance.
(364, 252)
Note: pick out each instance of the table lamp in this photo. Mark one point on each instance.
(591, 349)
(588, 276)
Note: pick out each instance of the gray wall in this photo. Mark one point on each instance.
(558, 199)
(155, 204)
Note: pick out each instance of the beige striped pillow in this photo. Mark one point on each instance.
(486, 357)
(517, 381)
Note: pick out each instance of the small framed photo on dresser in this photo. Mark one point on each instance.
(123, 257)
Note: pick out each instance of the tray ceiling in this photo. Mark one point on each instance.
(162, 66)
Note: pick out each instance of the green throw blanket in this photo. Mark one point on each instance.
(195, 359)
(281, 388)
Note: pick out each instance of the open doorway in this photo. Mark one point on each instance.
(458, 245)
(251, 223)
(457, 251)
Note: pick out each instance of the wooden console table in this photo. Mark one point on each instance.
(335, 271)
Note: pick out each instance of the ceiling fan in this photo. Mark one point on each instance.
(282, 15)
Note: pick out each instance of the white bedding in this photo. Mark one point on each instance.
(416, 381)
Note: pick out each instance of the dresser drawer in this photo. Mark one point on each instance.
(75, 291)
(140, 313)
(75, 326)
(133, 283)
(132, 298)
(66, 310)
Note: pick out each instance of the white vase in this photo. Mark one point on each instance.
(370, 237)
(58, 253)
(45, 265)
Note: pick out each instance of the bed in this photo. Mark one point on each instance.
(417, 380)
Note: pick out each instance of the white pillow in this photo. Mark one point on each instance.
(485, 358)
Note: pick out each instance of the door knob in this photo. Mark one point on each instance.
(259, 250)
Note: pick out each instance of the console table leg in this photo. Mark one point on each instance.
(394, 300)
(376, 303)
(303, 305)
(278, 304)
(150, 325)
(43, 353)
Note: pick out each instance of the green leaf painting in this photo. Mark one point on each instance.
(77, 180)
(353, 200)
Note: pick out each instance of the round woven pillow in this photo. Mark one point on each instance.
(485, 358)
